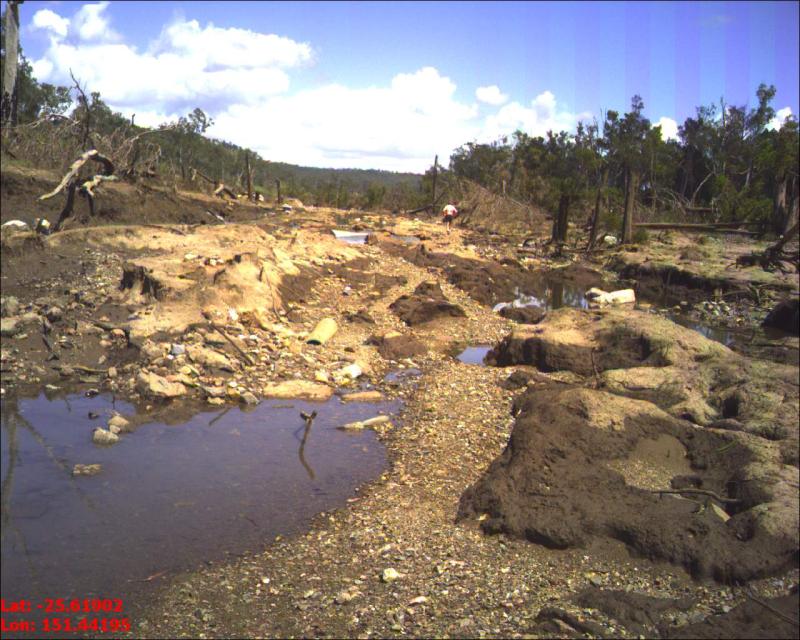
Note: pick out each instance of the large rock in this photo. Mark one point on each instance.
(153, 385)
(785, 316)
(567, 477)
(208, 358)
(298, 389)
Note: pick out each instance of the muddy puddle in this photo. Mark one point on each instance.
(474, 355)
(547, 294)
(551, 293)
(168, 497)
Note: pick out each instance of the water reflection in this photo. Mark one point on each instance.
(168, 496)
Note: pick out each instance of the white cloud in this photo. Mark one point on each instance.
(537, 119)
(241, 78)
(89, 23)
(399, 127)
(491, 95)
(669, 128)
(50, 21)
(185, 67)
(780, 118)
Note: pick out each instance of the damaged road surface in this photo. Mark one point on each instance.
(610, 473)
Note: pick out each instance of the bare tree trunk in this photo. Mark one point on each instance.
(632, 183)
(278, 188)
(249, 175)
(9, 99)
(435, 170)
(596, 216)
(794, 209)
(560, 222)
(779, 212)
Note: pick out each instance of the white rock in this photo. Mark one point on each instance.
(17, 225)
(102, 436)
(389, 575)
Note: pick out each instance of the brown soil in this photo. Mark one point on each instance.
(241, 298)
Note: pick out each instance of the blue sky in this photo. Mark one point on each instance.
(390, 84)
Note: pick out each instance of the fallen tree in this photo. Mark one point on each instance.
(72, 183)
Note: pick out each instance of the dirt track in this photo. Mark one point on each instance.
(116, 298)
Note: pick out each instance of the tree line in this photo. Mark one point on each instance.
(727, 164)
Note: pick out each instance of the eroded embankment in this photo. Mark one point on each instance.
(566, 476)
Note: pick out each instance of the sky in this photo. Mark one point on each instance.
(389, 85)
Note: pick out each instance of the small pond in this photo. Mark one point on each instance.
(168, 497)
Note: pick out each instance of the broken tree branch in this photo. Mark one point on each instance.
(75, 167)
(249, 360)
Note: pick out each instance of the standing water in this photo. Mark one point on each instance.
(168, 496)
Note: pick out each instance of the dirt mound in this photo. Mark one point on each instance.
(523, 315)
(394, 345)
(426, 303)
(638, 613)
(583, 463)
(749, 620)
(643, 356)
(116, 203)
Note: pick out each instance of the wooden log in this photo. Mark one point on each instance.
(685, 226)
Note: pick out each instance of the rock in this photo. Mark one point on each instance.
(54, 314)
(150, 384)
(389, 575)
(102, 436)
(298, 389)
(345, 596)
(112, 372)
(351, 371)
(208, 358)
(248, 398)
(9, 327)
(151, 350)
(119, 423)
(363, 396)
(609, 240)
(177, 349)
(86, 469)
(9, 306)
(321, 376)
(785, 316)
